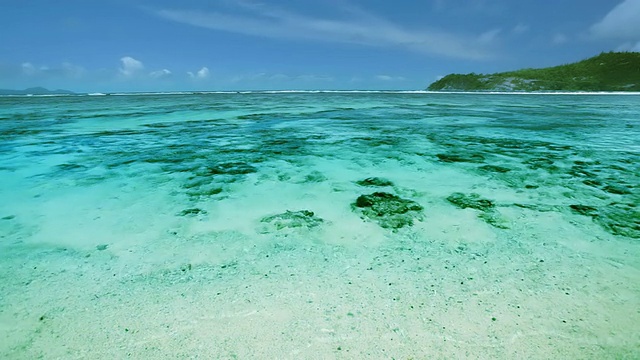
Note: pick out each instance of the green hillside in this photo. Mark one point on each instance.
(613, 71)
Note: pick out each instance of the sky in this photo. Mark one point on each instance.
(176, 45)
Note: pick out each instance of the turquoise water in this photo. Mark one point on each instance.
(320, 225)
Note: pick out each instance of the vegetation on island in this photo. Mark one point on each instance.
(612, 71)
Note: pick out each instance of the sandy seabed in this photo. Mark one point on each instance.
(450, 287)
(138, 227)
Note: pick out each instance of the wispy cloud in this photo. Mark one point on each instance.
(160, 74)
(72, 70)
(130, 66)
(266, 78)
(559, 39)
(622, 22)
(489, 37)
(629, 46)
(314, 78)
(29, 69)
(362, 28)
(200, 74)
(520, 29)
(389, 78)
(64, 70)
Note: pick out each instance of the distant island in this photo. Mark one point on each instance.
(36, 91)
(613, 71)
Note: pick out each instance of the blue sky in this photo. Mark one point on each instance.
(162, 45)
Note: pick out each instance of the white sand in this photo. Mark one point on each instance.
(420, 293)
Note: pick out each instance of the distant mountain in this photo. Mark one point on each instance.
(613, 71)
(35, 91)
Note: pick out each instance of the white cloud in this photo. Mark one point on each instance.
(622, 22)
(559, 39)
(264, 77)
(279, 77)
(312, 77)
(73, 71)
(363, 29)
(200, 74)
(489, 37)
(250, 77)
(29, 69)
(439, 5)
(203, 73)
(164, 73)
(130, 66)
(389, 78)
(65, 70)
(629, 46)
(520, 29)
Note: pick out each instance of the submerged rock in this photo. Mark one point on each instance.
(374, 181)
(617, 189)
(592, 182)
(541, 163)
(201, 186)
(232, 168)
(616, 218)
(388, 210)
(293, 219)
(467, 158)
(487, 209)
(192, 212)
(494, 168)
(584, 210)
(494, 219)
(473, 201)
(204, 191)
(71, 167)
(315, 177)
(621, 219)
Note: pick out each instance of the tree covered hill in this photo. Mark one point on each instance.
(613, 71)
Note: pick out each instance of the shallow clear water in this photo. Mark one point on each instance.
(291, 225)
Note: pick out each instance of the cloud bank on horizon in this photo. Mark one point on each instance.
(285, 44)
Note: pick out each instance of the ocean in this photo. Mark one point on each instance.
(319, 225)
